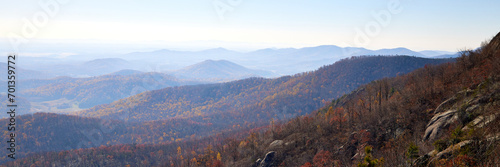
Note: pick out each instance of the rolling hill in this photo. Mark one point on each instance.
(88, 92)
(385, 122)
(438, 115)
(284, 61)
(279, 98)
(219, 70)
(190, 112)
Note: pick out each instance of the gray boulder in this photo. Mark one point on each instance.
(439, 122)
(268, 161)
(275, 144)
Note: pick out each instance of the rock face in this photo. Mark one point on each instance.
(453, 111)
(439, 122)
(434, 156)
(481, 121)
(461, 109)
(276, 144)
(267, 161)
(468, 109)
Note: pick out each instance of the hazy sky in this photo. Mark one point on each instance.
(416, 24)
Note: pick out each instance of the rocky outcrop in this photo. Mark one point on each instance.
(480, 121)
(276, 144)
(457, 110)
(439, 122)
(469, 109)
(434, 156)
(450, 149)
(268, 160)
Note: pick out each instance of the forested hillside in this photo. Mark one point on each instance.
(439, 115)
(206, 109)
(260, 98)
(443, 115)
(42, 132)
(382, 123)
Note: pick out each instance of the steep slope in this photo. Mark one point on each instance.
(444, 115)
(219, 70)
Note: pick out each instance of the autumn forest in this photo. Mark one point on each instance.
(371, 110)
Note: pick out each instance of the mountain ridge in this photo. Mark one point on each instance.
(222, 70)
(340, 72)
(246, 103)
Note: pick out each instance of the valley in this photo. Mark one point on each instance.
(393, 119)
(235, 83)
(191, 112)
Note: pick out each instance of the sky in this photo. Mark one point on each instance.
(448, 25)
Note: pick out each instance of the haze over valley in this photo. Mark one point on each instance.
(241, 83)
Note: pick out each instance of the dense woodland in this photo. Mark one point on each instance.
(206, 109)
(43, 132)
(381, 123)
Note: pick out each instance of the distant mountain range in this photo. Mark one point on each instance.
(450, 106)
(183, 67)
(435, 53)
(285, 61)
